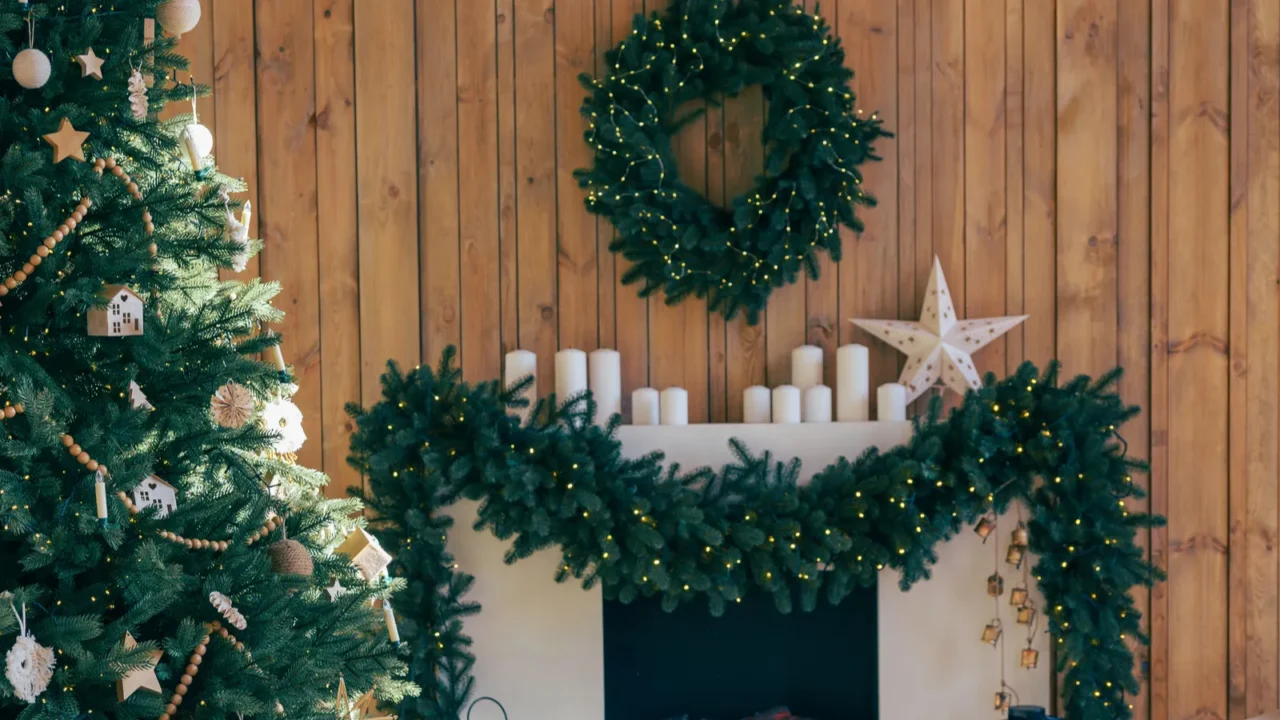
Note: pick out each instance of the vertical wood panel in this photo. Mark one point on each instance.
(1013, 170)
(438, 175)
(536, 183)
(1039, 202)
(287, 189)
(606, 289)
(744, 159)
(717, 356)
(822, 296)
(479, 203)
(948, 205)
(1198, 369)
(908, 144)
(387, 198)
(923, 170)
(508, 275)
(1239, 584)
(339, 255)
(235, 92)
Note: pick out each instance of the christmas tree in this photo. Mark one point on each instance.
(161, 555)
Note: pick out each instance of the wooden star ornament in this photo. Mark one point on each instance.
(141, 679)
(90, 64)
(68, 142)
(364, 707)
(939, 346)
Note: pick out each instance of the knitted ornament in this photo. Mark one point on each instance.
(28, 665)
(290, 557)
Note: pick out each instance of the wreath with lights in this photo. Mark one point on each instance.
(815, 141)
(639, 528)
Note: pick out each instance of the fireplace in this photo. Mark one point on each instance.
(820, 664)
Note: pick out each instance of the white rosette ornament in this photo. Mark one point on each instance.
(28, 664)
(283, 418)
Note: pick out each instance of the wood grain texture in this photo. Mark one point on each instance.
(1015, 264)
(822, 296)
(235, 90)
(744, 160)
(1239, 583)
(1039, 190)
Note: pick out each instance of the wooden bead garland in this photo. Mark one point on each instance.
(10, 411)
(198, 543)
(193, 666)
(102, 164)
(81, 455)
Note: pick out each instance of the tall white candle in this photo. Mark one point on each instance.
(757, 404)
(644, 407)
(571, 374)
(786, 404)
(605, 380)
(817, 404)
(279, 358)
(806, 366)
(522, 364)
(853, 384)
(891, 402)
(675, 406)
(390, 616)
(100, 496)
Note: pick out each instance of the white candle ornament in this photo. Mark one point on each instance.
(100, 495)
(522, 364)
(806, 366)
(817, 404)
(891, 402)
(605, 380)
(757, 404)
(853, 384)
(675, 406)
(644, 407)
(571, 374)
(390, 616)
(786, 404)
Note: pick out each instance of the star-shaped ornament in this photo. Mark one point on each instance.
(939, 347)
(138, 679)
(335, 590)
(90, 64)
(68, 142)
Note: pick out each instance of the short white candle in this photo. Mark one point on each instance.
(605, 371)
(100, 496)
(786, 404)
(675, 406)
(891, 402)
(522, 364)
(571, 374)
(817, 404)
(853, 384)
(644, 407)
(390, 616)
(757, 403)
(806, 366)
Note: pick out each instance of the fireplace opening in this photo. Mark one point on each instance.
(751, 662)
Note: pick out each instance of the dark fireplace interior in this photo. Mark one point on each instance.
(751, 662)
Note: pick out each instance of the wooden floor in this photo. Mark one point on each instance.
(1111, 168)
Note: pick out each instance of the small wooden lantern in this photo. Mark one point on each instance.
(1030, 656)
(991, 633)
(995, 585)
(1019, 536)
(1026, 615)
(985, 527)
(1001, 702)
(1015, 555)
(1018, 596)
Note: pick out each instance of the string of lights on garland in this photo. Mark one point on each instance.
(815, 140)
(637, 528)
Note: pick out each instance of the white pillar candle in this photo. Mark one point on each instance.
(853, 384)
(100, 496)
(786, 404)
(757, 404)
(605, 380)
(891, 402)
(644, 407)
(806, 366)
(675, 406)
(390, 616)
(817, 404)
(571, 374)
(522, 364)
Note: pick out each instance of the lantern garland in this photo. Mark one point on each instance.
(814, 138)
(636, 528)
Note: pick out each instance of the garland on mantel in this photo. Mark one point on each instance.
(638, 528)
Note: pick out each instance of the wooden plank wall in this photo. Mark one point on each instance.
(1111, 167)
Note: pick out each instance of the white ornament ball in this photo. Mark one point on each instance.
(31, 68)
(178, 16)
(198, 142)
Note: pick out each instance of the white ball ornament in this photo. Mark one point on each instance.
(198, 142)
(178, 16)
(31, 68)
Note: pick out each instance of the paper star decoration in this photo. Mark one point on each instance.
(67, 142)
(90, 64)
(335, 590)
(138, 679)
(939, 346)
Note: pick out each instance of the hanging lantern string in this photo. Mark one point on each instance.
(1000, 640)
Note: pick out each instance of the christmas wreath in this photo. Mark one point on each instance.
(814, 141)
(637, 528)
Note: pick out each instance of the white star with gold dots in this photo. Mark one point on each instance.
(939, 347)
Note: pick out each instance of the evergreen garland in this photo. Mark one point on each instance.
(638, 528)
(814, 141)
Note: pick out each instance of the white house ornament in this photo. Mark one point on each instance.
(232, 405)
(365, 553)
(140, 679)
(137, 398)
(939, 347)
(28, 664)
(284, 419)
(90, 64)
(31, 68)
(122, 316)
(156, 493)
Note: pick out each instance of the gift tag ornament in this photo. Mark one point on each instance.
(28, 664)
